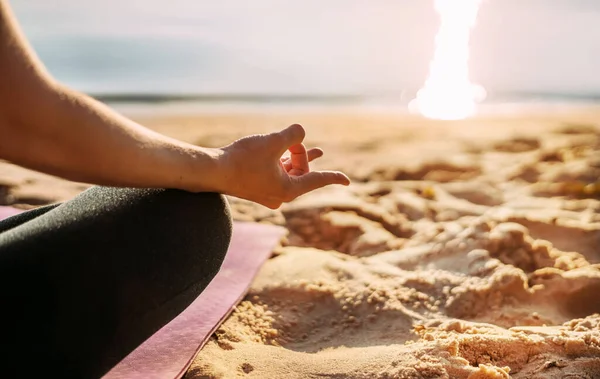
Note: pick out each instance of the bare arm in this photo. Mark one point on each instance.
(47, 127)
(50, 128)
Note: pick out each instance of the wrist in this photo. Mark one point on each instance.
(207, 172)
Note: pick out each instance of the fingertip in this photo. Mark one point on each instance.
(341, 178)
(297, 130)
(345, 180)
(314, 153)
(292, 135)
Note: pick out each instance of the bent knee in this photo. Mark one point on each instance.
(212, 206)
(199, 209)
(200, 227)
(206, 219)
(173, 220)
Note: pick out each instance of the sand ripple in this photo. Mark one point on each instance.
(433, 270)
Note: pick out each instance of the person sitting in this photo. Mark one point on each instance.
(85, 282)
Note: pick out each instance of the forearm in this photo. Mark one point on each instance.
(70, 135)
(47, 127)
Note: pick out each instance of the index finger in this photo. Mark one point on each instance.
(299, 158)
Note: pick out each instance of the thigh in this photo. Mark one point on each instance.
(89, 280)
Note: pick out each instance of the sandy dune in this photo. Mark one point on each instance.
(462, 250)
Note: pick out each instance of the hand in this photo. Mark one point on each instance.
(253, 168)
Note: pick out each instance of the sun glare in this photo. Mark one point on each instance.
(448, 94)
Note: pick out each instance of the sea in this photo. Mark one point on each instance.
(270, 54)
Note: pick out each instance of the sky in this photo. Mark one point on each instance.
(310, 46)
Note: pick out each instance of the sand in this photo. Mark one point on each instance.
(466, 249)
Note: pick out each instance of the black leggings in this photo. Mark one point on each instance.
(85, 282)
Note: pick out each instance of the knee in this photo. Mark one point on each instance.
(199, 229)
(204, 213)
(195, 226)
(213, 231)
(204, 220)
(213, 216)
(193, 229)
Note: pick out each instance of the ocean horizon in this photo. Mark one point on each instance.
(190, 104)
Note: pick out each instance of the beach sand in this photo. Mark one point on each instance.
(467, 249)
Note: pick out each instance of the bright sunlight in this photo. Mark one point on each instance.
(448, 94)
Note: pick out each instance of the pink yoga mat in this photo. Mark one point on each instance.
(170, 351)
(6, 212)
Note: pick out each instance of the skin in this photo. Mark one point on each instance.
(48, 127)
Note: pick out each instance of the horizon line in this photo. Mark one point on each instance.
(257, 97)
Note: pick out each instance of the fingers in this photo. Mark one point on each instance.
(297, 167)
(312, 154)
(318, 179)
(299, 158)
(292, 135)
(299, 185)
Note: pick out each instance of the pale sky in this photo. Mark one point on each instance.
(313, 45)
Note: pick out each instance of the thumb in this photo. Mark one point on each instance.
(317, 179)
(292, 135)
